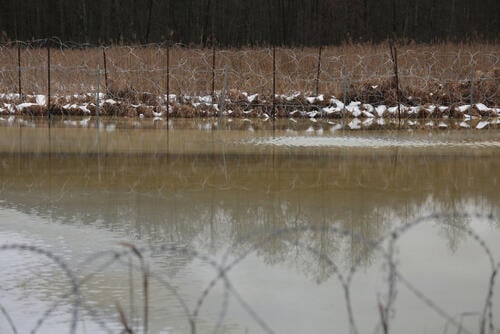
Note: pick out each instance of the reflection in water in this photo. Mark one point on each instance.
(214, 190)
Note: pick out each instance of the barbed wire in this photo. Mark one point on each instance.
(254, 241)
(155, 75)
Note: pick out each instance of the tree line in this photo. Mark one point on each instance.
(250, 22)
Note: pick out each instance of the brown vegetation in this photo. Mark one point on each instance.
(137, 78)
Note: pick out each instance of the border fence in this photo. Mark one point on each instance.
(138, 260)
(278, 81)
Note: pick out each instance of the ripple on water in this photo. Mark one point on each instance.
(367, 142)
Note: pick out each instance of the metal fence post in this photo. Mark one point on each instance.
(19, 71)
(97, 97)
(48, 82)
(273, 112)
(318, 71)
(471, 92)
(105, 69)
(223, 97)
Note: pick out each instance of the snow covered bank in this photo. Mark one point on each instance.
(237, 104)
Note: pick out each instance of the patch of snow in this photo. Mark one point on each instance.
(205, 99)
(414, 110)
(368, 122)
(393, 110)
(381, 121)
(312, 114)
(464, 108)
(25, 105)
(292, 97)
(380, 110)
(84, 108)
(442, 108)
(482, 124)
(368, 107)
(41, 100)
(252, 98)
(469, 117)
(368, 114)
(354, 109)
(431, 108)
(157, 114)
(339, 104)
(482, 107)
(464, 125)
(10, 107)
(329, 110)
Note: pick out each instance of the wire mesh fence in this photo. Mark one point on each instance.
(244, 80)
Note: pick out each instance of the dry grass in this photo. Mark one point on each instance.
(429, 74)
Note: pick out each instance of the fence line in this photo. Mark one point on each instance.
(142, 265)
(156, 74)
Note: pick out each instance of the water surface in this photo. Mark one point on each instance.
(293, 206)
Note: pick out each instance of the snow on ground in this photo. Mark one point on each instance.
(41, 100)
(313, 107)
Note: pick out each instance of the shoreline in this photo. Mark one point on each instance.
(239, 105)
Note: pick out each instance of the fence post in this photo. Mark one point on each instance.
(19, 71)
(105, 70)
(471, 92)
(168, 78)
(213, 73)
(394, 56)
(273, 112)
(344, 76)
(318, 71)
(98, 93)
(48, 82)
(223, 92)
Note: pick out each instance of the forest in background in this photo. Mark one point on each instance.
(246, 23)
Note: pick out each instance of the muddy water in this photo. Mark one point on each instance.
(294, 207)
